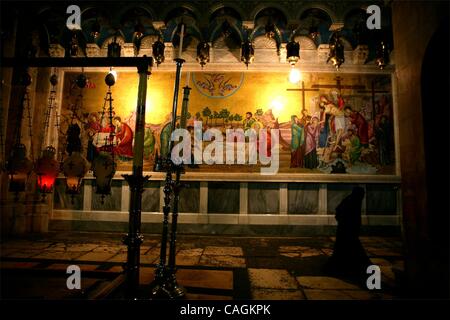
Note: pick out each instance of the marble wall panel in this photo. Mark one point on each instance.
(303, 198)
(223, 197)
(263, 198)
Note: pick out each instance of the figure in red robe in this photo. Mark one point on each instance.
(361, 123)
(124, 135)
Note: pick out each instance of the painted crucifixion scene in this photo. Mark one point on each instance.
(326, 122)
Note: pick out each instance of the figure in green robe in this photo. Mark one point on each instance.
(149, 143)
(353, 147)
(297, 143)
(165, 139)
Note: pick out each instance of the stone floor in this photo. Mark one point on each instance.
(209, 267)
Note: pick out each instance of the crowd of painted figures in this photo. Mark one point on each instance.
(315, 140)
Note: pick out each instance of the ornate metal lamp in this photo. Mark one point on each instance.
(114, 49)
(103, 164)
(47, 169)
(336, 55)
(19, 168)
(247, 53)
(75, 166)
(139, 30)
(158, 51)
(293, 52)
(203, 53)
(18, 165)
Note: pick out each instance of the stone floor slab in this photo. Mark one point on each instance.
(223, 251)
(96, 256)
(317, 294)
(271, 279)
(57, 255)
(214, 279)
(327, 283)
(146, 275)
(222, 261)
(271, 294)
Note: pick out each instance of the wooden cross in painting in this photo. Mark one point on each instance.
(303, 90)
(339, 85)
(373, 91)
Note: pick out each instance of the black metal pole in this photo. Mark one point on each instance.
(179, 62)
(136, 181)
(176, 290)
(158, 287)
(162, 286)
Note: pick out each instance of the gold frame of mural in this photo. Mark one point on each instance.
(232, 94)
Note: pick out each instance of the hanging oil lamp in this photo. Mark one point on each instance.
(382, 58)
(47, 167)
(75, 166)
(18, 165)
(19, 168)
(158, 51)
(103, 164)
(203, 53)
(336, 55)
(247, 53)
(292, 52)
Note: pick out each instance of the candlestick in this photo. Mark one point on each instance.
(181, 40)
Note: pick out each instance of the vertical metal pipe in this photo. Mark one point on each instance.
(179, 62)
(184, 107)
(136, 182)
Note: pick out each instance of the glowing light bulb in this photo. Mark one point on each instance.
(295, 76)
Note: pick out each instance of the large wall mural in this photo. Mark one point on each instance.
(328, 123)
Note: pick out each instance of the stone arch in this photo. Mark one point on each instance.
(195, 11)
(143, 7)
(147, 41)
(351, 9)
(120, 40)
(221, 5)
(319, 6)
(267, 5)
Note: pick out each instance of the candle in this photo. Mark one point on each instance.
(188, 78)
(181, 40)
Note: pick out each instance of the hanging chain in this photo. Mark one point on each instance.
(103, 115)
(30, 123)
(2, 143)
(48, 113)
(111, 126)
